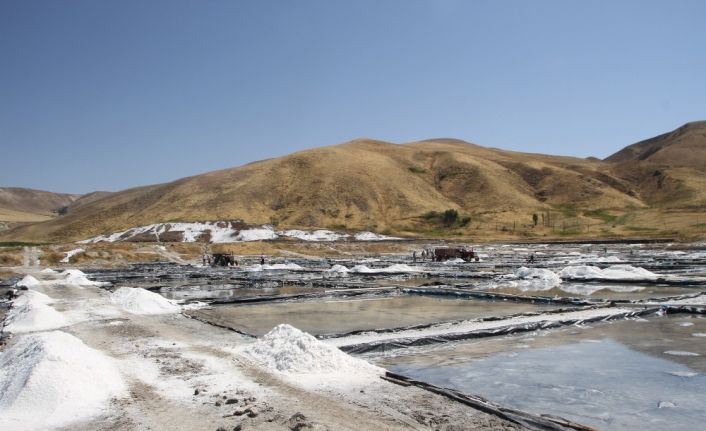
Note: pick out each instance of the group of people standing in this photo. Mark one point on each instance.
(425, 254)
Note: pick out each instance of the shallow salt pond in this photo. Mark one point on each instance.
(340, 316)
(232, 292)
(606, 290)
(624, 375)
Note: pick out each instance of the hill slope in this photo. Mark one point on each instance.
(667, 169)
(363, 184)
(19, 205)
(374, 185)
(683, 147)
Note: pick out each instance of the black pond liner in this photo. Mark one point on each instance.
(527, 420)
(401, 343)
(488, 296)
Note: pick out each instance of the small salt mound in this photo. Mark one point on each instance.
(614, 272)
(137, 300)
(78, 277)
(533, 279)
(317, 235)
(396, 268)
(28, 281)
(276, 266)
(339, 269)
(453, 261)
(371, 236)
(31, 313)
(256, 234)
(70, 254)
(52, 379)
(290, 351)
(48, 271)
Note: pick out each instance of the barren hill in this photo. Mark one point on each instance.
(683, 147)
(398, 188)
(667, 169)
(19, 205)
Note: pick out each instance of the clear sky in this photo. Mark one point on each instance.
(106, 95)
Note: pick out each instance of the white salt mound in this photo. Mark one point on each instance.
(339, 269)
(531, 279)
(276, 266)
(28, 281)
(79, 278)
(453, 261)
(137, 300)
(31, 297)
(613, 272)
(396, 268)
(31, 313)
(52, 379)
(288, 350)
(371, 236)
(525, 273)
(70, 254)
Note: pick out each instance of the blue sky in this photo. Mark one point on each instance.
(106, 95)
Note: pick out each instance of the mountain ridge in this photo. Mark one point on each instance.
(376, 185)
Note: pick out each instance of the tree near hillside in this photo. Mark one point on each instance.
(450, 217)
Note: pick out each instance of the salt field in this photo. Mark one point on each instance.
(609, 336)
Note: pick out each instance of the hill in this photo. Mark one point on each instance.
(404, 189)
(683, 147)
(20, 205)
(668, 169)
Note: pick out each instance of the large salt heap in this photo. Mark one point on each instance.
(613, 272)
(31, 312)
(137, 300)
(52, 379)
(299, 355)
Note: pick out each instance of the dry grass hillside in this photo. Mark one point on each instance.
(683, 147)
(19, 206)
(405, 189)
(667, 170)
(33, 201)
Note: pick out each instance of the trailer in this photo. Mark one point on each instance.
(445, 253)
(223, 259)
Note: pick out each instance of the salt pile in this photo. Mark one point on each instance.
(228, 231)
(256, 234)
(31, 313)
(533, 279)
(28, 281)
(78, 278)
(290, 351)
(70, 254)
(396, 268)
(52, 379)
(454, 261)
(276, 266)
(137, 300)
(613, 272)
(370, 236)
(317, 235)
(31, 297)
(338, 269)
